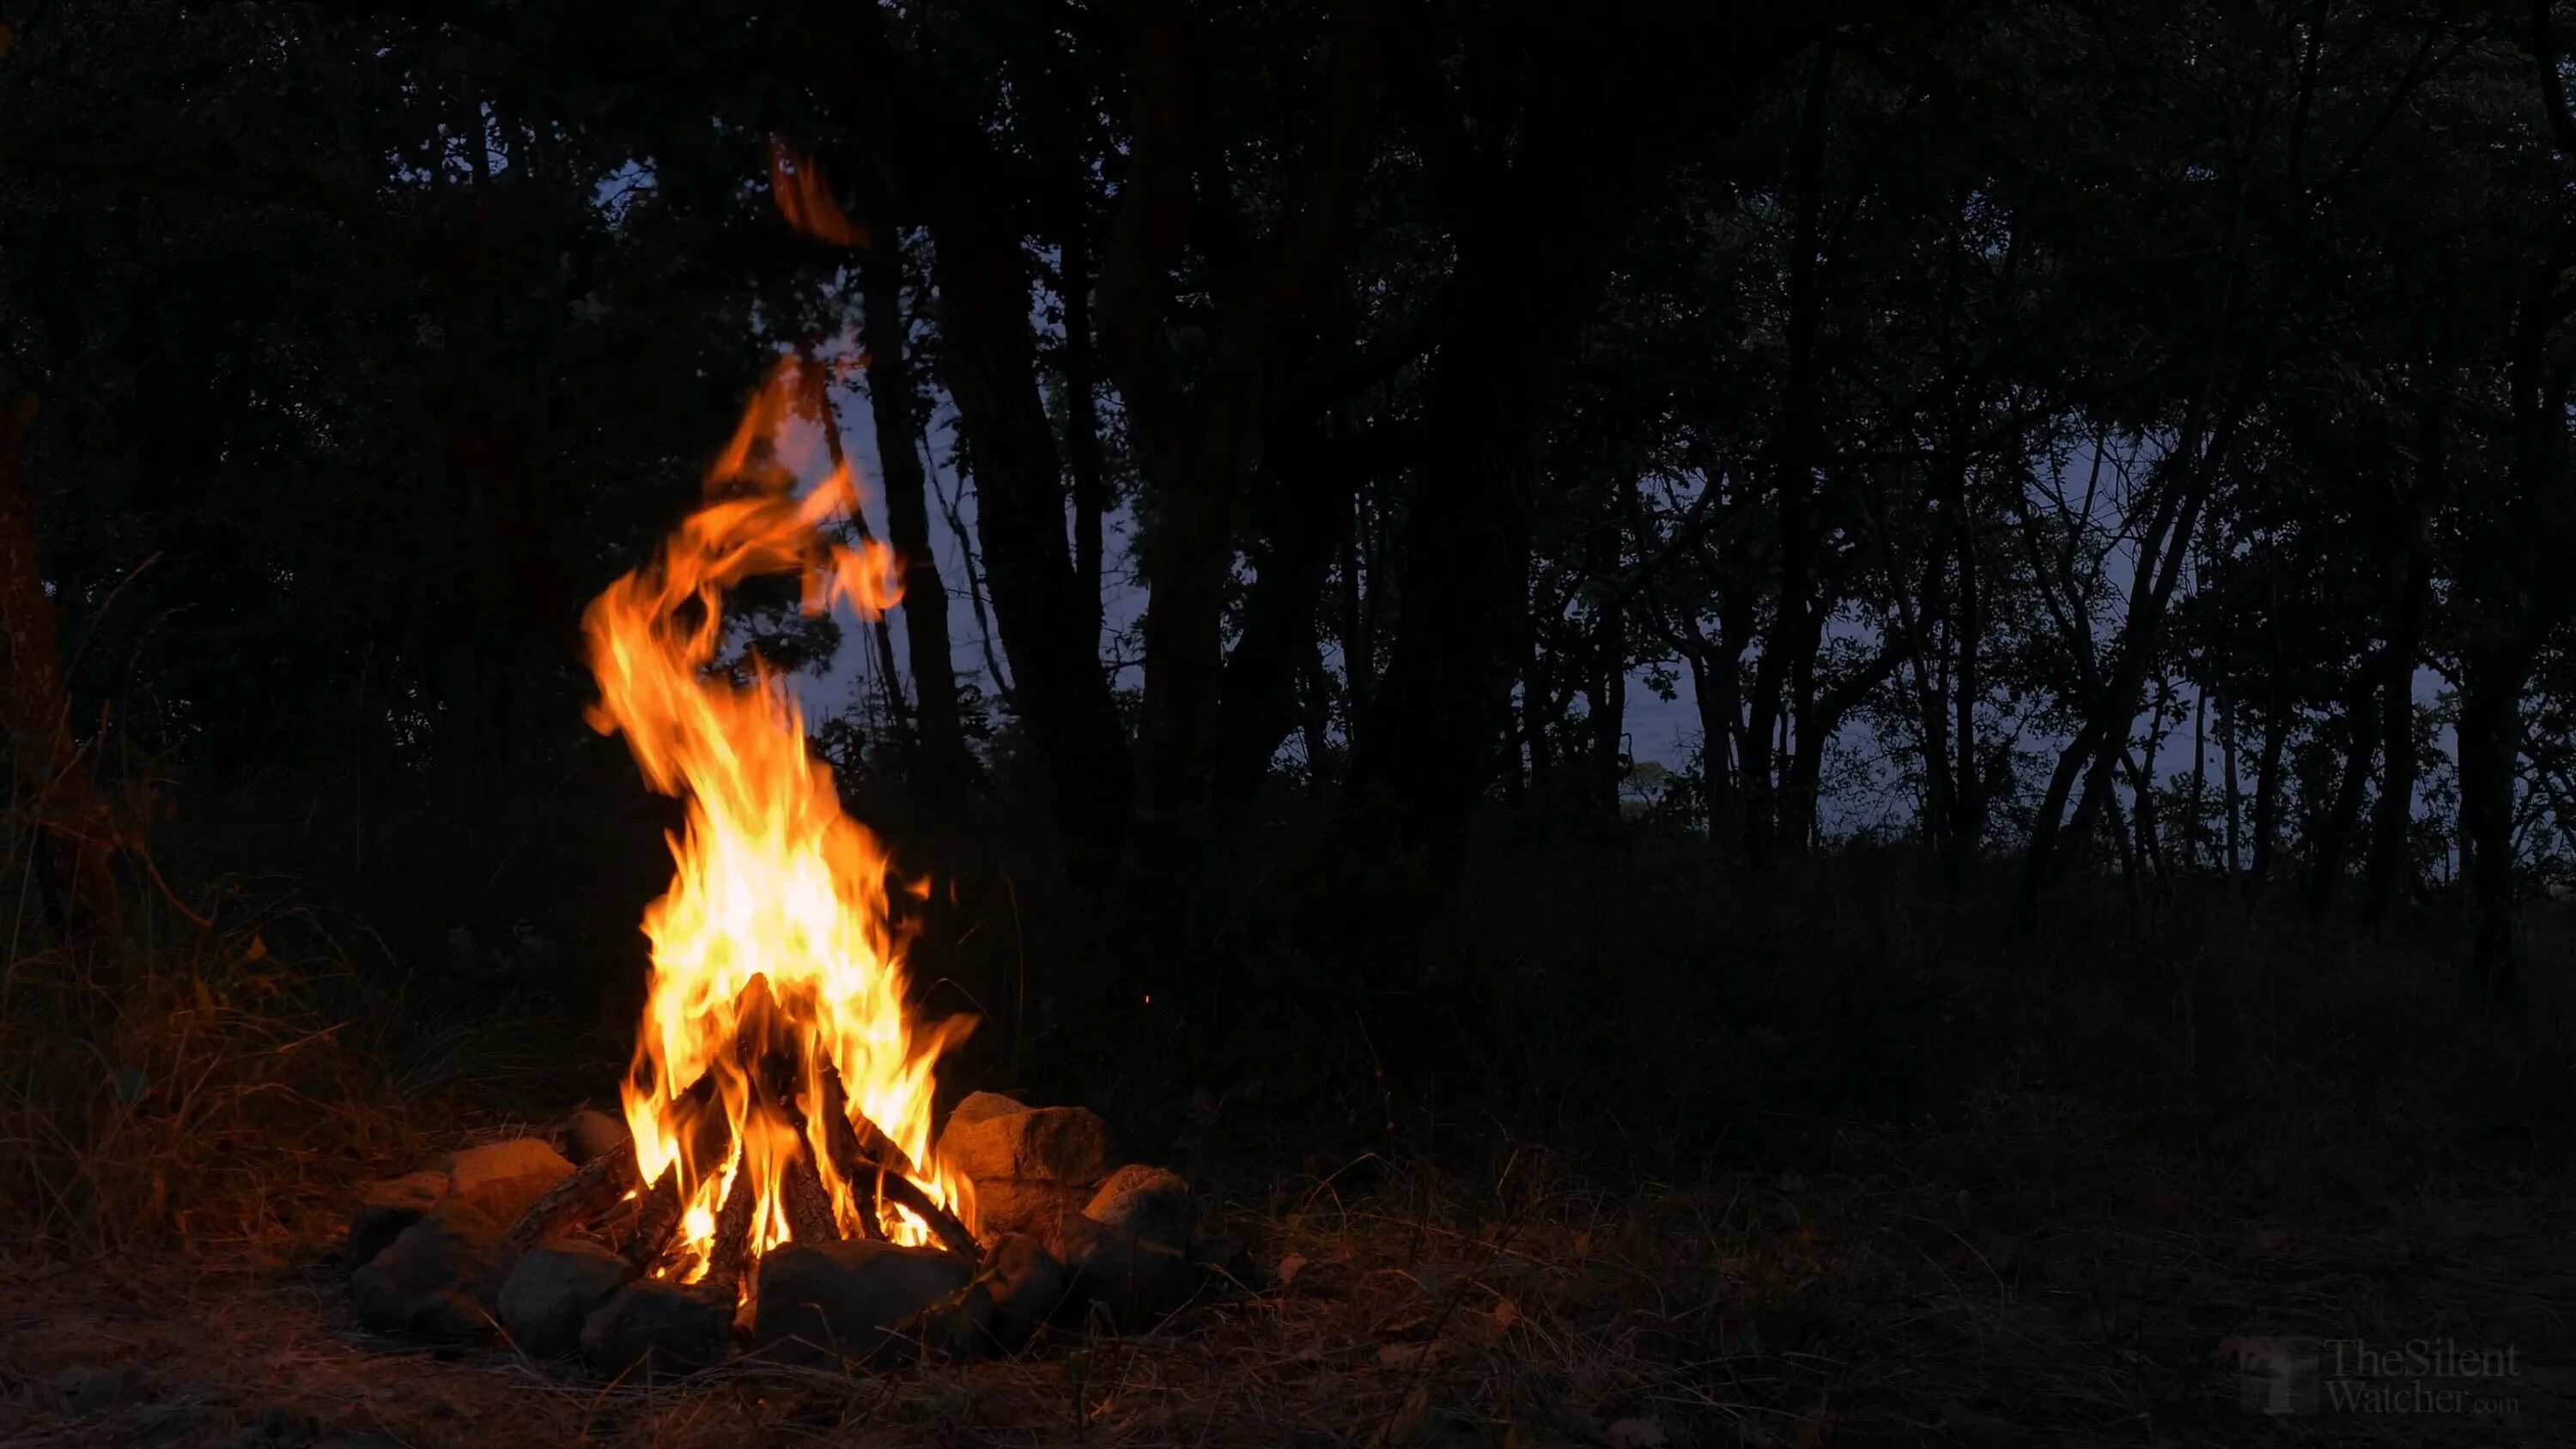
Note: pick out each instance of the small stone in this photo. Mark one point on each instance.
(504, 1178)
(552, 1291)
(593, 1134)
(1028, 1286)
(435, 1279)
(669, 1328)
(1137, 1279)
(1043, 1144)
(1149, 1202)
(89, 1389)
(828, 1302)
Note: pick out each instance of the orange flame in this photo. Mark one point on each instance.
(806, 199)
(775, 945)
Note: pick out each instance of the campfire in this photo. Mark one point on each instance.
(781, 1090)
(775, 1171)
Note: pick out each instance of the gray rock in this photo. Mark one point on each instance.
(1147, 1201)
(1138, 1280)
(552, 1291)
(386, 1208)
(830, 1302)
(668, 1328)
(1028, 1286)
(503, 1178)
(986, 1141)
(438, 1278)
(593, 1134)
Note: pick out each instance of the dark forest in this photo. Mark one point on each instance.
(2092, 482)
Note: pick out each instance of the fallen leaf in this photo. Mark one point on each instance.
(1288, 1267)
(1506, 1313)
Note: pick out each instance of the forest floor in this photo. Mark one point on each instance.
(2040, 1276)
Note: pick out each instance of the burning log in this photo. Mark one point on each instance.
(733, 1229)
(809, 1204)
(592, 1189)
(858, 1157)
(657, 1222)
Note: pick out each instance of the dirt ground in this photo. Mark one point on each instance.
(2065, 1288)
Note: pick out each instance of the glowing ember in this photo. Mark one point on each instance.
(775, 960)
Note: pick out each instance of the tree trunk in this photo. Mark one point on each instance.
(1970, 789)
(2490, 731)
(2334, 826)
(1606, 680)
(945, 763)
(1082, 424)
(1788, 655)
(948, 171)
(2410, 588)
(1538, 686)
(1463, 616)
(2194, 830)
(2267, 789)
(1196, 443)
(1518, 298)
(889, 676)
(990, 365)
(2235, 797)
(1258, 698)
(76, 834)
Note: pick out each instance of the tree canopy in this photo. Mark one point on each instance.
(2080, 439)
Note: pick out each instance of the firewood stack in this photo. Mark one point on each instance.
(565, 1258)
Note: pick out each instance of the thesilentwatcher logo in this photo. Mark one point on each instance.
(2439, 1376)
(2275, 1375)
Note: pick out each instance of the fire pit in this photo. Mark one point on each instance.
(775, 1170)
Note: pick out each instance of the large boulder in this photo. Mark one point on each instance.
(503, 1178)
(438, 1278)
(386, 1208)
(666, 1328)
(855, 1300)
(552, 1291)
(1029, 1165)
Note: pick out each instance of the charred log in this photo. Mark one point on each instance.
(591, 1190)
(862, 1152)
(732, 1250)
(810, 1218)
(656, 1222)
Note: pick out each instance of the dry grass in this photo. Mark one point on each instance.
(2005, 1266)
(1877, 1303)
